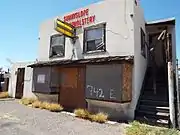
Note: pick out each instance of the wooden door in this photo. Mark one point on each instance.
(20, 83)
(72, 94)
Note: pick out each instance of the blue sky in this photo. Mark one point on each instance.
(20, 21)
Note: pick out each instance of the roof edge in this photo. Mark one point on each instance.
(170, 21)
(82, 61)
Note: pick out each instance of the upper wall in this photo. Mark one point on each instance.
(119, 31)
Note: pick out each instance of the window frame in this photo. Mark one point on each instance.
(103, 26)
(50, 49)
(143, 43)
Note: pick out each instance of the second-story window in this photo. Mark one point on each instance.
(57, 46)
(94, 39)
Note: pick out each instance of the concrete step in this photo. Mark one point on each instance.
(152, 115)
(149, 102)
(154, 108)
(153, 122)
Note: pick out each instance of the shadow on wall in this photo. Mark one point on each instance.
(77, 54)
(78, 50)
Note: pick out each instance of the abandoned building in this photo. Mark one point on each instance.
(118, 64)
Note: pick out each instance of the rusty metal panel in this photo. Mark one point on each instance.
(104, 82)
(127, 82)
(71, 88)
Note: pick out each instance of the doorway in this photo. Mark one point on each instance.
(72, 93)
(20, 83)
(157, 63)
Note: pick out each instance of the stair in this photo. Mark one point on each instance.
(153, 106)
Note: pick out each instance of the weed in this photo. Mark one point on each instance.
(4, 95)
(137, 128)
(82, 113)
(36, 104)
(99, 117)
(54, 107)
(27, 101)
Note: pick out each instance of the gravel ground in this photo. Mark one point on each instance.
(17, 119)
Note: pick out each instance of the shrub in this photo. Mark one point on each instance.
(44, 105)
(99, 117)
(82, 113)
(54, 107)
(36, 104)
(27, 101)
(4, 95)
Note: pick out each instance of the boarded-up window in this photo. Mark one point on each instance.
(45, 80)
(103, 82)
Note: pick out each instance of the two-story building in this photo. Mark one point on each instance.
(105, 68)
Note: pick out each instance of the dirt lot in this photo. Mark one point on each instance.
(17, 119)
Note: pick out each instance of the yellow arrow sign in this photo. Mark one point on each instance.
(60, 23)
(65, 28)
(66, 33)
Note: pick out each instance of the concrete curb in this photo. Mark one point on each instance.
(7, 99)
(108, 122)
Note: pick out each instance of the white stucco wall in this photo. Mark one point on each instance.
(27, 91)
(119, 31)
(140, 62)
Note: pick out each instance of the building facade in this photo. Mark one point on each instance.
(113, 28)
(104, 69)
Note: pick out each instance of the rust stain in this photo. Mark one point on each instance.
(127, 82)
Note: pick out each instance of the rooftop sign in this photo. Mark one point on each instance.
(80, 18)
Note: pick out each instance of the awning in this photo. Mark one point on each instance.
(82, 61)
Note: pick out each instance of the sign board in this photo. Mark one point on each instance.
(65, 28)
(80, 18)
(103, 82)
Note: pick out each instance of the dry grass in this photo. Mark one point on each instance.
(82, 113)
(27, 101)
(4, 95)
(36, 104)
(99, 117)
(54, 107)
(44, 105)
(136, 128)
